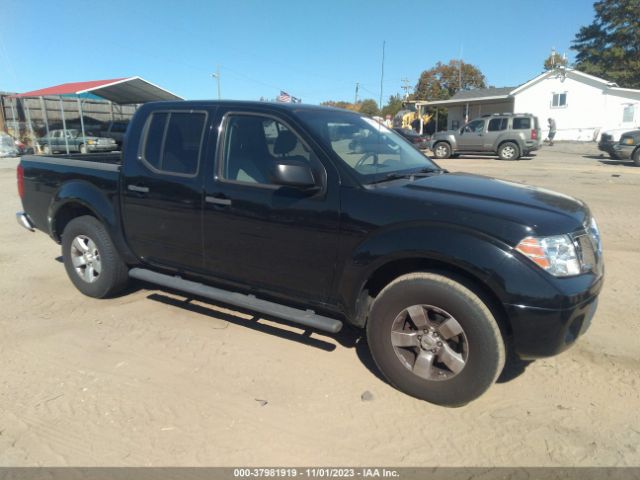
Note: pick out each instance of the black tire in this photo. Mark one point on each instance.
(636, 157)
(113, 273)
(442, 150)
(509, 151)
(485, 352)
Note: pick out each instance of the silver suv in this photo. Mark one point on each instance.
(508, 135)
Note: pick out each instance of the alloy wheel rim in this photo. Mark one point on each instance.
(429, 342)
(507, 152)
(86, 258)
(441, 151)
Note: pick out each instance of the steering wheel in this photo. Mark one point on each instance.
(364, 157)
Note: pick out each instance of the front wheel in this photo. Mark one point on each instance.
(83, 148)
(442, 150)
(434, 339)
(636, 157)
(91, 260)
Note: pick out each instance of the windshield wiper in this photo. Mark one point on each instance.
(424, 172)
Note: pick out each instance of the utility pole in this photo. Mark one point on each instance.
(356, 97)
(406, 87)
(382, 73)
(217, 77)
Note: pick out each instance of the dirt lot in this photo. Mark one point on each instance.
(148, 380)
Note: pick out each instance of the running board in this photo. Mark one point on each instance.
(308, 318)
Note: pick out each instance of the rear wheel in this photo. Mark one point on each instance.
(91, 260)
(509, 151)
(434, 339)
(442, 150)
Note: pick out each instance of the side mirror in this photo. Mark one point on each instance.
(293, 173)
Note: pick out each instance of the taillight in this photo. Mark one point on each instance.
(534, 134)
(20, 175)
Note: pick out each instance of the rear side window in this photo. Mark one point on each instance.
(497, 124)
(521, 123)
(173, 142)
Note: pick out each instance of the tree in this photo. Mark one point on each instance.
(610, 46)
(393, 106)
(553, 60)
(443, 80)
(368, 107)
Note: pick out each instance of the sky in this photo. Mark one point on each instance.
(314, 50)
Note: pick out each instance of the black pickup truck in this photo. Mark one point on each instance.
(269, 207)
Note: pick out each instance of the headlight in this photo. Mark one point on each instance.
(91, 142)
(557, 254)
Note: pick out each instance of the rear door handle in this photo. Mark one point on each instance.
(218, 200)
(138, 188)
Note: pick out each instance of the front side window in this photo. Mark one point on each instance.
(253, 144)
(477, 126)
(559, 100)
(173, 141)
(497, 124)
(521, 123)
(368, 148)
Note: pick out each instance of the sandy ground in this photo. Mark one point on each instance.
(146, 380)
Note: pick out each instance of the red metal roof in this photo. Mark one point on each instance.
(119, 90)
(69, 88)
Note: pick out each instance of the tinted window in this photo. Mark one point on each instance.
(253, 144)
(520, 123)
(182, 142)
(155, 134)
(173, 142)
(497, 124)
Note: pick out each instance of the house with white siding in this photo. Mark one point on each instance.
(582, 105)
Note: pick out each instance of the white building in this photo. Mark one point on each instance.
(582, 105)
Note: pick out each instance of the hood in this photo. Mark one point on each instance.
(501, 208)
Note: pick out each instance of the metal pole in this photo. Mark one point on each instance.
(45, 116)
(437, 110)
(111, 108)
(25, 105)
(13, 116)
(64, 126)
(382, 73)
(218, 77)
(84, 137)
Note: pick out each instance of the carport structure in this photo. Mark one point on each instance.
(121, 91)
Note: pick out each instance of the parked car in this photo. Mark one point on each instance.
(115, 130)
(90, 143)
(509, 135)
(628, 148)
(444, 271)
(419, 141)
(8, 146)
(607, 139)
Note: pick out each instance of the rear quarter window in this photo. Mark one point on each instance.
(173, 141)
(521, 123)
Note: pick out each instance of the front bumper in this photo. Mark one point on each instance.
(623, 152)
(102, 147)
(544, 332)
(607, 146)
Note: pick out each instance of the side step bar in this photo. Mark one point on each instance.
(307, 318)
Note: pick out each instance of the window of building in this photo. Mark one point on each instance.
(497, 124)
(628, 113)
(173, 141)
(559, 100)
(521, 123)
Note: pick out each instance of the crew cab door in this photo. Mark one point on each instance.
(162, 189)
(264, 236)
(471, 138)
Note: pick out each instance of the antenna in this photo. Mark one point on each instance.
(357, 88)
(382, 72)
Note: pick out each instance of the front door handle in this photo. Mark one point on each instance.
(138, 188)
(218, 200)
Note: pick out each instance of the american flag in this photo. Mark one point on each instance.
(284, 97)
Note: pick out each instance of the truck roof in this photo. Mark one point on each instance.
(244, 103)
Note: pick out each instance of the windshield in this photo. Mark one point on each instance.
(371, 150)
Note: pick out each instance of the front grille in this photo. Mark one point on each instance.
(605, 138)
(587, 252)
